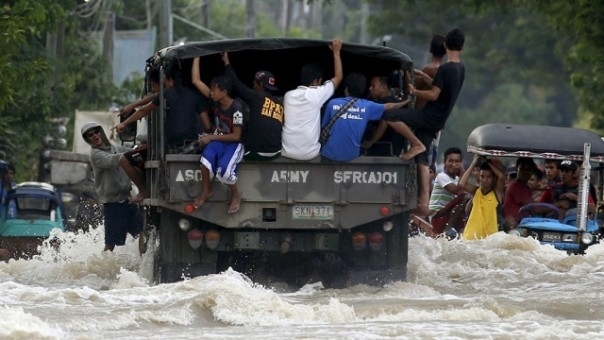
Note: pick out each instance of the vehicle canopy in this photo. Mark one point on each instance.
(283, 57)
(535, 141)
(33, 201)
(35, 189)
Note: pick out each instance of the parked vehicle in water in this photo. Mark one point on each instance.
(341, 223)
(576, 230)
(31, 211)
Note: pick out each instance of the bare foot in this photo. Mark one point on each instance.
(201, 199)
(235, 204)
(138, 198)
(412, 152)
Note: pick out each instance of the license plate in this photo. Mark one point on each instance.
(313, 212)
(549, 236)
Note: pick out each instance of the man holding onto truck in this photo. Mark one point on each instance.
(113, 186)
(420, 127)
(184, 111)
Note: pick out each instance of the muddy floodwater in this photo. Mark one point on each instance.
(502, 287)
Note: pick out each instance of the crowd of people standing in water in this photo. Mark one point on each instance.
(491, 198)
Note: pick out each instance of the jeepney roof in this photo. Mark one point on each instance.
(535, 141)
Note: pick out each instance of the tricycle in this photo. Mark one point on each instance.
(575, 230)
(27, 217)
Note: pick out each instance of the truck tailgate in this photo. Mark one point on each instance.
(315, 194)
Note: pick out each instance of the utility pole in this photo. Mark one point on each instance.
(165, 23)
(364, 37)
(108, 36)
(205, 13)
(250, 29)
(148, 14)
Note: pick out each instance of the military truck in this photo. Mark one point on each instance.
(299, 221)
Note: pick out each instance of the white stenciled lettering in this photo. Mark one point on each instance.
(192, 175)
(289, 176)
(365, 177)
(237, 118)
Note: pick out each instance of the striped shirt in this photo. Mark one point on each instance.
(441, 196)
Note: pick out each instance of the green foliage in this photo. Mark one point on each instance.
(227, 17)
(35, 85)
(22, 22)
(583, 20)
(132, 88)
(515, 67)
(576, 29)
(22, 66)
(507, 103)
(536, 62)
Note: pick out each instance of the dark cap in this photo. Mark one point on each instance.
(511, 170)
(266, 79)
(568, 165)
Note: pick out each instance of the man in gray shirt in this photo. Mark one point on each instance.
(113, 186)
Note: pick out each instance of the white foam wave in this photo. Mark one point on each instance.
(15, 323)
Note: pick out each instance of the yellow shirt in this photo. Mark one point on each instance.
(482, 221)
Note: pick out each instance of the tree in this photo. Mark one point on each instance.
(36, 86)
(585, 58)
(514, 73)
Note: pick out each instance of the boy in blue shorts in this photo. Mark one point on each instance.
(223, 149)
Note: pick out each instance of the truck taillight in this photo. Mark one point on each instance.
(359, 240)
(385, 211)
(189, 208)
(376, 240)
(212, 239)
(195, 238)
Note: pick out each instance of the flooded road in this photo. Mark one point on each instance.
(502, 287)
